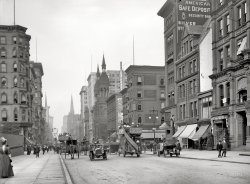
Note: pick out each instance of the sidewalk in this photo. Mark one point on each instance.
(232, 156)
(47, 169)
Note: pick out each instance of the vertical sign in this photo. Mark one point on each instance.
(6, 12)
(191, 12)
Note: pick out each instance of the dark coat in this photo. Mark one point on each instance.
(219, 147)
(5, 163)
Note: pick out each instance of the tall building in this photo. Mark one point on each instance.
(144, 98)
(84, 106)
(14, 75)
(177, 14)
(100, 108)
(231, 72)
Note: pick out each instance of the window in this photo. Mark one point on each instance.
(139, 107)
(184, 111)
(191, 110)
(242, 96)
(14, 39)
(14, 53)
(139, 94)
(183, 71)
(195, 65)
(23, 114)
(228, 51)
(3, 67)
(20, 40)
(4, 82)
(221, 93)
(2, 40)
(227, 27)
(191, 87)
(191, 45)
(4, 115)
(239, 15)
(3, 53)
(162, 105)
(195, 109)
(15, 98)
(220, 25)
(180, 73)
(195, 86)
(183, 90)
(15, 81)
(162, 81)
(220, 2)
(15, 115)
(228, 92)
(221, 59)
(139, 120)
(23, 99)
(191, 67)
(139, 81)
(162, 94)
(15, 67)
(3, 98)
(180, 111)
(244, 17)
(22, 82)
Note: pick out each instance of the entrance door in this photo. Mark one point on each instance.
(244, 127)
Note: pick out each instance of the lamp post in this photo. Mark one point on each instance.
(154, 113)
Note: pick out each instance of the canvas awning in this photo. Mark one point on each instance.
(200, 132)
(30, 142)
(164, 126)
(189, 131)
(179, 131)
(243, 46)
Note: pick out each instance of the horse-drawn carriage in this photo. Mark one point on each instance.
(72, 148)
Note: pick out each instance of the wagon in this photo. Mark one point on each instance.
(72, 148)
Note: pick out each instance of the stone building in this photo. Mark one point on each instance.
(231, 76)
(84, 107)
(100, 108)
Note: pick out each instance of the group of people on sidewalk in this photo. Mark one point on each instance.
(222, 148)
(6, 168)
(37, 149)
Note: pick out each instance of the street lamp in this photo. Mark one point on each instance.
(154, 113)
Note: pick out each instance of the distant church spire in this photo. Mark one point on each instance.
(98, 72)
(103, 64)
(71, 106)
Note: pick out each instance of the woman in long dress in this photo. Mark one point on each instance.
(5, 161)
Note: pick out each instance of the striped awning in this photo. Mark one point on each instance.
(189, 131)
(202, 130)
(179, 131)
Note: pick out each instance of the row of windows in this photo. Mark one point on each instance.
(3, 53)
(193, 110)
(187, 47)
(193, 88)
(223, 23)
(4, 115)
(3, 67)
(4, 82)
(3, 40)
(191, 69)
(4, 98)
(162, 94)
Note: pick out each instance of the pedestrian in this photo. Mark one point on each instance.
(219, 148)
(37, 151)
(224, 147)
(6, 169)
(43, 148)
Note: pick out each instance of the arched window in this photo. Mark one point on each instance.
(3, 53)
(4, 82)
(15, 67)
(228, 92)
(4, 98)
(3, 67)
(4, 115)
(15, 81)
(15, 114)
(15, 98)
(23, 99)
(22, 82)
(221, 93)
(14, 53)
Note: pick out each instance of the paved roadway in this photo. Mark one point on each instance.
(153, 169)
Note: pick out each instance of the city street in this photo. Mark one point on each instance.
(153, 169)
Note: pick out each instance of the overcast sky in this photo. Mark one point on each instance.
(70, 32)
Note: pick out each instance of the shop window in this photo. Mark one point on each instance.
(3, 67)
(3, 98)
(4, 115)
(4, 82)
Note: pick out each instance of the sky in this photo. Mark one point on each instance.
(72, 33)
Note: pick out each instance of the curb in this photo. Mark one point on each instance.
(244, 154)
(235, 162)
(66, 172)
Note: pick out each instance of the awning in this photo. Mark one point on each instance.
(189, 130)
(243, 46)
(164, 126)
(30, 142)
(200, 132)
(179, 131)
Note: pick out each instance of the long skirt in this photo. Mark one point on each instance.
(4, 166)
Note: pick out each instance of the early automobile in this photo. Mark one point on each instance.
(97, 151)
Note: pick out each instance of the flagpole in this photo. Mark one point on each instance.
(14, 12)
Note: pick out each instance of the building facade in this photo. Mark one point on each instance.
(84, 106)
(231, 76)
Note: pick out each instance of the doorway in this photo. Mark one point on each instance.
(243, 127)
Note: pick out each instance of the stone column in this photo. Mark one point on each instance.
(232, 128)
(247, 104)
